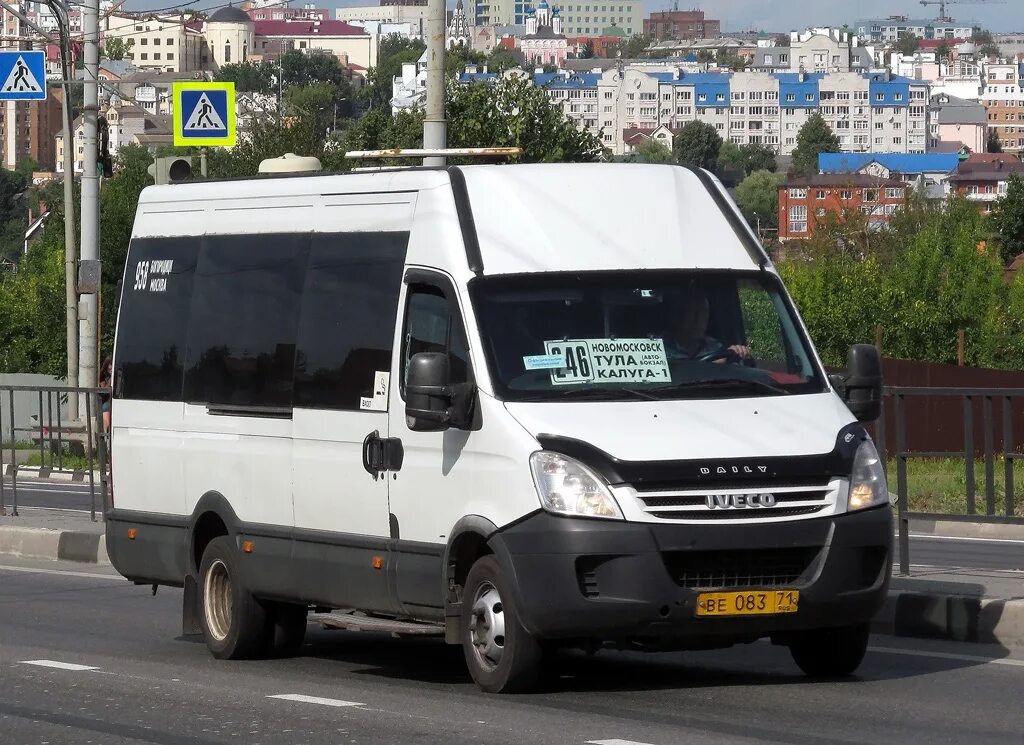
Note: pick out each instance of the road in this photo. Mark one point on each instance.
(86, 657)
(927, 551)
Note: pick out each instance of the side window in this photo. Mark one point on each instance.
(153, 321)
(245, 311)
(347, 325)
(762, 328)
(432, 326)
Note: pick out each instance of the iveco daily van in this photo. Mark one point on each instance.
(520, 406)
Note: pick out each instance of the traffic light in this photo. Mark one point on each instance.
(171, 170)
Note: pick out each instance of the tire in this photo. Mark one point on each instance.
(501, 655)
(235, 625)
(289, 629)
(830, 653)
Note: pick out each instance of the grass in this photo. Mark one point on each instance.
(940, 485)
(18, 445)
(67, 462)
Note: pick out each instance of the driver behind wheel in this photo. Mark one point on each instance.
(687, 338)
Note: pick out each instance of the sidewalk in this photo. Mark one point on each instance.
(970, 605)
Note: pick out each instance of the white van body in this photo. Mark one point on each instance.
(350, 504)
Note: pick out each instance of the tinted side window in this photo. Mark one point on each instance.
(245, 311)
(431, 326)
(347, 327)
(153, 320)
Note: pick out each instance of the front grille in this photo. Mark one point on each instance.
(766, 567)
(738, 514)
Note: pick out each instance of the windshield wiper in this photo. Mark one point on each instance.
(590, 394)
(758, 385)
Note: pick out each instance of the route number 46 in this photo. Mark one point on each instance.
(142, 275)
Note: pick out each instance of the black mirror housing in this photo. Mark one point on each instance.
(428, 397)
(862, 388)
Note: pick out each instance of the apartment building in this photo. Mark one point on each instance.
(806, 203)
(816, 50)
(984, 178)
(956, 122)
(889, 30)
(681, 24)
(869, 113)
(594, 17)
(165, 43)
(1003, 99)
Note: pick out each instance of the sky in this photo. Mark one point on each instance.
(771, 15)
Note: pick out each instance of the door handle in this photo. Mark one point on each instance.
(382, 454)
(371, 457)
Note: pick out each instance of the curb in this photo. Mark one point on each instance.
(53, 545)
(958, 618)
(938, 526)
(52, 474)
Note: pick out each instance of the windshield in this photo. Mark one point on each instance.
(641, 335)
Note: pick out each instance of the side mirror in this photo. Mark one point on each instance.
(428, 397)
(862, 388)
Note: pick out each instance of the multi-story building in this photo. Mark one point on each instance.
(160, 43)
(816, 50)
(681, 24)
(271, 11)
(869, 112)
(889, 30)
(806, 202)
(927, 173)
(956, 122)
(1003, 99)
(414, 14)
(350, 44)
(579, 17)
(983, 178)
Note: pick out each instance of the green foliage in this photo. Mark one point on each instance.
(943, 50)
(116, 47)
(697, 145)
(989, 50)
(747, 158)
(730, 59)
(758, 198)
(1008, 219)
(13, 213)
(503, 59)
(815, 137)
(634, 47)
(649, 151)
(248, 77)
(982, 37)
(782, 40)
(587, 51)
(456, 59)
(908, 44)
(993, 144)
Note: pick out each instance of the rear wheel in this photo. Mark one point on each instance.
(830, 653)
(501, 654)
(235, 624)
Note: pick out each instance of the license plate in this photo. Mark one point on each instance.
(749, 603)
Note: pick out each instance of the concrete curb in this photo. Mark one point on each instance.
(959, 618)
(51, 474)
(938, 526)
(53, 545)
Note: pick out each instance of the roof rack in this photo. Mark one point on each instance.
(454, 152)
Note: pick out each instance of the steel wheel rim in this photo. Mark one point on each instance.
(217, 600)
(487, 626)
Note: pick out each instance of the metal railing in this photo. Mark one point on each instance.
(34, 416)
(896, 397)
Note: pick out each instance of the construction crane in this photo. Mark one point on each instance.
(943, 3)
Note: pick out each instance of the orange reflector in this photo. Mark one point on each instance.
(132, 532)
(378, 562)
(247, 546)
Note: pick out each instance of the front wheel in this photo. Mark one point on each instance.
(501, 654)
(830, 653)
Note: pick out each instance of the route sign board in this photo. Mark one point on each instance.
(23, 75)
(204, 114)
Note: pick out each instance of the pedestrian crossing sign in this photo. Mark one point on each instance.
(23, 75)
(204, 114)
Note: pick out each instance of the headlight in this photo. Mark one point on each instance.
(568, 487)
(867, 482)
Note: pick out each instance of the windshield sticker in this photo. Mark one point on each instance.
(544, 361)
(609, 361)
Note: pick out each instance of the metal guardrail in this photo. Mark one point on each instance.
(55, 436)
(897, 396)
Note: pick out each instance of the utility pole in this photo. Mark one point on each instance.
(435, 128)
(89, 276)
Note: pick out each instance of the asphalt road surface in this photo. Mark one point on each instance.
(86, 657)
(927, 551)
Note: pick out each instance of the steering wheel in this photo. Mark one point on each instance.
(725, 353)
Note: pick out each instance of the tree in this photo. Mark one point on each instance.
(746, 158)
(586, 51)
(942, 51)
(649, 151)
(993, 144)
(1008, 219)
(634, 47)
(908, 44)
(248, 77)
(989, 50)
(782, 40)
(982, 37)
(503, 59)
(395, 52)
(697, 145)
(117, 48)
(730, 59)
(758, 198)
(705, 56)
(815, 137)
(458, 58)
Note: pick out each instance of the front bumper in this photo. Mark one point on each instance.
(608, 580)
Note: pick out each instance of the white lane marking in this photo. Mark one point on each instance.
(614, 742)
(947, 656)
(968, 540)
(315, 700)
(58, 665)
(61, 572)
